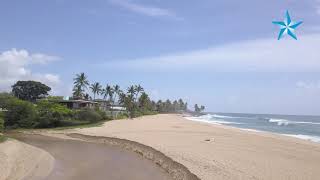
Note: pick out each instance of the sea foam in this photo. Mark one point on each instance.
(285, 122)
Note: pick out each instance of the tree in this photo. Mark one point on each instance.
(132, 90)
(196, 108)
(96, 89)
(77, 92)
(1, 121)
(144, 102)
(121, 99)
(202, 108)
(108, 91)
(30, 90)
(19, 113)
(80, 84)
(117, 92)
(138, 89)
(130, 105)
(181, 104)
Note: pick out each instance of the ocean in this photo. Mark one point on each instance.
(303, 127)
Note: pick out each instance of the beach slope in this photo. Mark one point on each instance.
(218, 152)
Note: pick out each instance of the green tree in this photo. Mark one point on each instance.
(108, 92)
(80, 84)
(30, 90)
(132, 90)
(130, 105)
(51, 114)
(117, 92)
(196, 108)
(1, 121)
(138, 89)
(202, 108)
(78, 92)
(19, 114)
(144, 102)
(96, 89)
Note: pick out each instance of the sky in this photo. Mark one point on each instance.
(221, 54)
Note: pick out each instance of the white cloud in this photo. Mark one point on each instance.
(266, 55)
(146, 10)
(310, 85)
(14, 66)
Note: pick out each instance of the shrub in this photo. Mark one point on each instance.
(1, 121)
(51, 114)
(88, 115)
(20, 114)
(122, 115)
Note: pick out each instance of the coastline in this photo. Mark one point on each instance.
(218, 151)
(314, 139)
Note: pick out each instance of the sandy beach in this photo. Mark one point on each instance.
(218, 152)
(21, 161)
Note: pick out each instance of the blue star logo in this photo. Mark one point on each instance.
(287, 27)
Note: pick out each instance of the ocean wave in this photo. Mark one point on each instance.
(305, 137)
(285, 122)
(209, 119)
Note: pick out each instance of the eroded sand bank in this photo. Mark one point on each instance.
(218, 152)
(80, 160)
(19, 160)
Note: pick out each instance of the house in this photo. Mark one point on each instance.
(78, 104)
(105, 105)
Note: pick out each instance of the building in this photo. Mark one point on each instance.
(105, 105)
(78, 104)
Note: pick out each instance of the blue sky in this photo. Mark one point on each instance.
(223, 54)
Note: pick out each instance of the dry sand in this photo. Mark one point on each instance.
(19, 160)
(216, 151)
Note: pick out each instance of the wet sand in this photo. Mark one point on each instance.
(84, 160)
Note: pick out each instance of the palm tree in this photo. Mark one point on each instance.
(108, 91)
(122, 97)
(77, 92)
(138, 89)
(80, 83)
(96, 88)
(132, 90)
(117, 91)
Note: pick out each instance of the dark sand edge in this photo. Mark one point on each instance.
(176, 170)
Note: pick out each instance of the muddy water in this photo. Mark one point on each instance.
(77, 160)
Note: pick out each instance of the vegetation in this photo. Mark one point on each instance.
(198, 109)
(29, 106)
(1, 122)
(30, 90)
(80, 84)
(96, 89)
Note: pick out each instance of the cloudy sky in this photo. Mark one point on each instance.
(223, 54)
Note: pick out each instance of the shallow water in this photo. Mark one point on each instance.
(78, 160)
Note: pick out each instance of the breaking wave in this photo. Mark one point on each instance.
(211, 119)
(285, 122)
(304, 137)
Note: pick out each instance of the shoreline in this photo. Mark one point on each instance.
(309, 138)
(210, 150)
(218, 151)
